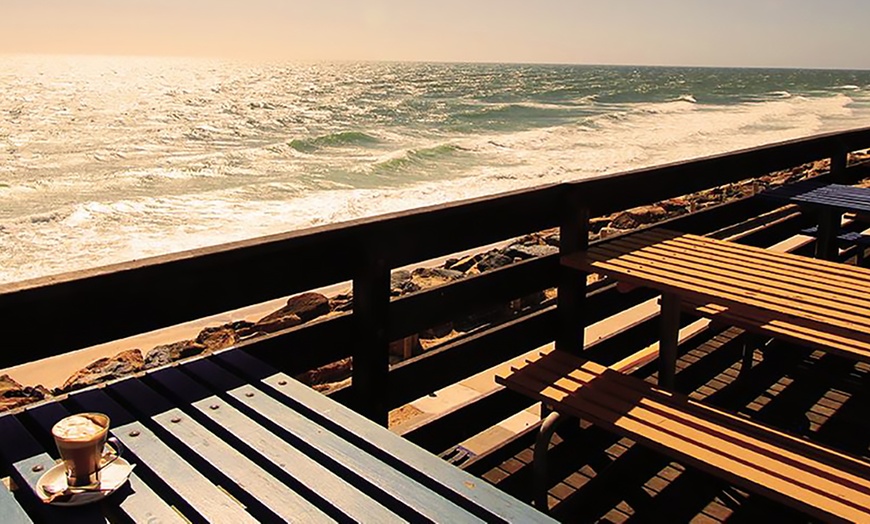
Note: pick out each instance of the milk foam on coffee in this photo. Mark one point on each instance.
(77, 427)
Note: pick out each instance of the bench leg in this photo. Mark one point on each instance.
(539, 464)
(829, 227)
(746, 361)
(669, 340)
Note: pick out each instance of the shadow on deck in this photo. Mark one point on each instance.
(597, 476)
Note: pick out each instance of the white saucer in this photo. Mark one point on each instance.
(112, 477)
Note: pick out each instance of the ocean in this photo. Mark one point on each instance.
(109, 159)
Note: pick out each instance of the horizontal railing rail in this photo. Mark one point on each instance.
(57, 314)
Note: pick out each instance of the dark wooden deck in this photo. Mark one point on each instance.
(600, 477)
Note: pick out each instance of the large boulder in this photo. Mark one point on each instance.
(220, 337)
(462, 264)
(13, 394)
(524, 252)
(332, 372)
(640, 216)
(164, 354)
(299, 309)
(426, 277)
(104, 369)
(401, 283)
(342, 301)
(492, 259)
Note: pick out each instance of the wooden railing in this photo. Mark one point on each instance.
(56, 314)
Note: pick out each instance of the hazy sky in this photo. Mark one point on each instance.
(787, 33)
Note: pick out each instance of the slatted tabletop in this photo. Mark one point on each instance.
(828, 202)
(817, 480)
(813, 302)
(229, 439)
(816, 193)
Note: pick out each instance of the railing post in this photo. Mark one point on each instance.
(573, 238)
(371, 357)
(838, 165)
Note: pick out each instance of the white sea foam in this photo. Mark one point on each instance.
(174, 163)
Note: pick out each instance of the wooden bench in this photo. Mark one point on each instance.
(848, 239)
(818, 481)
(821, 304)
(230, 439)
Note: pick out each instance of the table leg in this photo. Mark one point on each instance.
(829, 228)
(669, 339)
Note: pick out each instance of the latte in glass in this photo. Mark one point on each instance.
(81, 440)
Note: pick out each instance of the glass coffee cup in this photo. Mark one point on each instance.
(82, 443)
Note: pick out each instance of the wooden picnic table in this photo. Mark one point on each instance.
(828, 202)
(811, 302)
(230, 439)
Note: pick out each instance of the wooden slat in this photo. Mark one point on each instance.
(732, 451)
(701, 291)
(830, 269)
(192, 487)
(782, 274)
(340, 455)
(308, 346)
(268, 490)
(624, 262)
(745, 280)
(761, 283)
(252, 480)
(307, 472)
(473, 493)
(781, 267)
(454, 361)
(382, 476)
(412, 313)
(10, 511)
(825, 340)
(136, 500)
(677, 403)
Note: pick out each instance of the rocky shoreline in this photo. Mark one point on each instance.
(306, 307)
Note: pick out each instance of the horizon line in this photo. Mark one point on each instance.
(418, 61)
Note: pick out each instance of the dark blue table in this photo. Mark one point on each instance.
(828, 201)
(230, 439)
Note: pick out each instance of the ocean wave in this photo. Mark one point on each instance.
(678, 105)
(649, 134)
(846, 87)
(413, 136)
(687, 98)
(340, 139)
(516, 112)
(416, 158)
